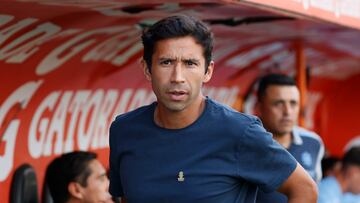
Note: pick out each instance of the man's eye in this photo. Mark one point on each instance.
(103, 178)
(190, 63)
(294, 103)
(166, 62)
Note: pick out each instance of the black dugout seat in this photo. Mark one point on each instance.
(46, 196)
(24, 188)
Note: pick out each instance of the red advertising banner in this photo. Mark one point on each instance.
(65, 74)
(343, 12)
(67, 69)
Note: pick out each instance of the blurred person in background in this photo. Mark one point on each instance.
(344, 186)
(278, 107)
(330, 166)
(77, 177)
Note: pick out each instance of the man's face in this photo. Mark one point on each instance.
(354, 179)
(97, 187)
(178, 72)
(279, 108)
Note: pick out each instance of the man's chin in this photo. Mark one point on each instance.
(285, 132)
(175, 107)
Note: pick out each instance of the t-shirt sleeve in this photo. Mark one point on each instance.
(262, 161)
(115, 187)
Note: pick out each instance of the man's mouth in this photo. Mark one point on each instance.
(177, 95)
(286, 121)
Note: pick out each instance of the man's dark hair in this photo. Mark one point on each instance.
(351, 157)
(174, 27)
(69, 167)
(273, 79)
(328, 164)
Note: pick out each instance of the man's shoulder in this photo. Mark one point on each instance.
(227, 113)
(232, 122)
(134, 114)
(306, 134)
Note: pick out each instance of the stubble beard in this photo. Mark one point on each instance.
(283, 132)
(174, 106)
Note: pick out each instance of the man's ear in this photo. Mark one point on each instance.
(146, 70)
(75, 190)
(209, 72)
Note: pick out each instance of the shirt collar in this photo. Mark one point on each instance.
(296, 136)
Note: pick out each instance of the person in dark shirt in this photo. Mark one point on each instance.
(186, 147)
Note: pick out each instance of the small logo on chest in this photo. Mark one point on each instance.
(181, 177)
(306, 159)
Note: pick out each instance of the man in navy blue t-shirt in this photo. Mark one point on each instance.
(186, 148)
(278, 108)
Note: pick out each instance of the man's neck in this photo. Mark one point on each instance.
(179, 119)
(73, 200)
(285, 140)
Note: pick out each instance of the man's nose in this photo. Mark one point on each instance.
(177, 74)
(107, 182)
(287, 109)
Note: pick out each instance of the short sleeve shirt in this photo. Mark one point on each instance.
(224, 156)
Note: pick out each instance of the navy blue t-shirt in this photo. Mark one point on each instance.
(224, 156)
